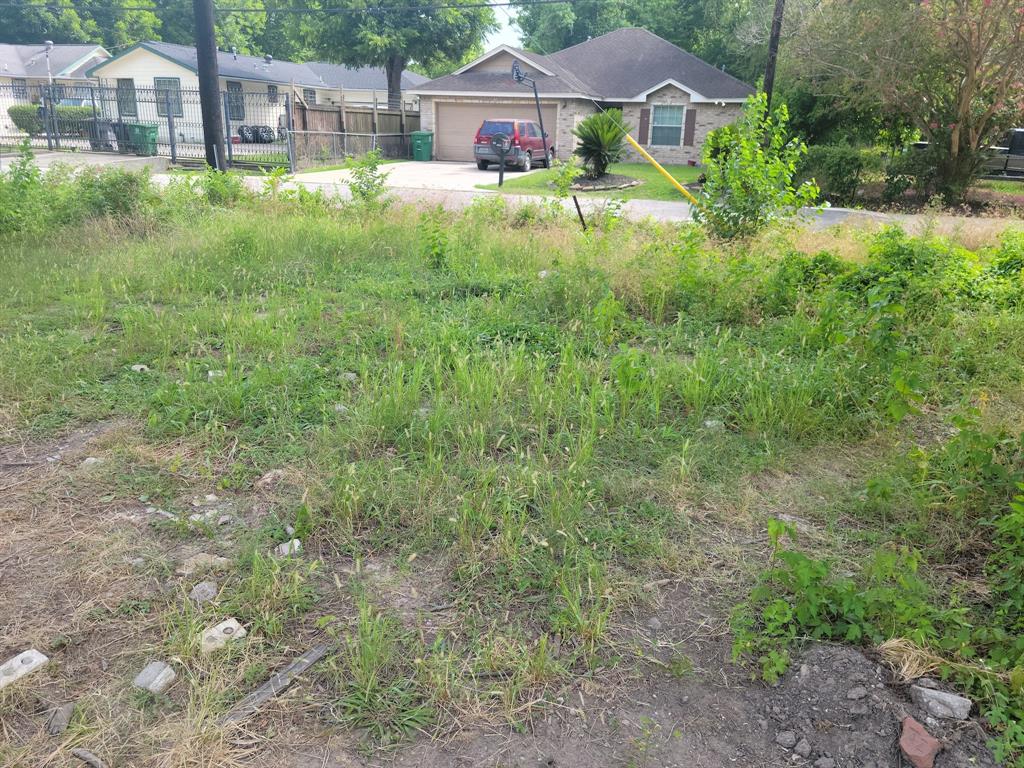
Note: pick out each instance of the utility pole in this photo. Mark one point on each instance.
(209, 85)
(773, 52)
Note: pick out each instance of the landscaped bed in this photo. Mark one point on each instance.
(546, 482)
(652, 186)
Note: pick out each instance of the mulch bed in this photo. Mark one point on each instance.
(606, 182)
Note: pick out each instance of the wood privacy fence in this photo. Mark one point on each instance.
(325, 135)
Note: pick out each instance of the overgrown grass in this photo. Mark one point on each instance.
(533, 411)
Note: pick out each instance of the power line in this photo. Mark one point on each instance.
(311, 11)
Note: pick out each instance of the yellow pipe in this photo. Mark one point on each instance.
(643, 152)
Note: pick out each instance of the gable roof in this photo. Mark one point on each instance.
(313, 74)
(624, 65)
(67, 62)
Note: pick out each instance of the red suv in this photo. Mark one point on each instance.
(527, 144)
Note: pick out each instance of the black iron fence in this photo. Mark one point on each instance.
(168, 122)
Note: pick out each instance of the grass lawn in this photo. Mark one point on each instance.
(1006, 186)
(654, 187)
(507, 447)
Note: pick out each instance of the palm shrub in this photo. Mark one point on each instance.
(601, 136)
(750, 176)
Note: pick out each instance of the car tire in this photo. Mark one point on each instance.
(482, 165)
(527, 162)
(550, 162)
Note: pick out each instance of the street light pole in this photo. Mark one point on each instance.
(520, 77)
(49, 74)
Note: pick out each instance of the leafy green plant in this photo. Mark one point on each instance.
(27, 118)
(750, 179)
(368, 183)
(838, 169)
(601, 141)
(435, 239)
(566, 174)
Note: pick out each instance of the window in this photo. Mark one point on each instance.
(127, 106)
(168, 89)
(20, 88)
(272, 94)
(309, 95)
(667, 125)
(236, 101)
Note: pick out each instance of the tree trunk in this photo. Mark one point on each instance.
(395, 67)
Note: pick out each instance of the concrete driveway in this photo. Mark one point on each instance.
(46, 160)
(453, 177)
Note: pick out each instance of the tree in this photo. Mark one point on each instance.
(393, 39)
(954, 69)
(77, 21)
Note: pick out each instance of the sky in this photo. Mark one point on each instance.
(506, 34)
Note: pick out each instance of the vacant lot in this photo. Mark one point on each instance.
(533, 472)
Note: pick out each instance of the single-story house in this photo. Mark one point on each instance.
(671, 98)
(23, 69)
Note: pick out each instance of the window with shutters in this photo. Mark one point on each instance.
(667, 125)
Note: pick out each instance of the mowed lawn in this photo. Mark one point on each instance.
(654, 186)
(497, 438)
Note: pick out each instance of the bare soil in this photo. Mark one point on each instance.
(78, 574)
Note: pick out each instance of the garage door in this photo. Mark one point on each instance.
(457, 124)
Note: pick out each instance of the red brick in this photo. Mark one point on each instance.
(919, 746)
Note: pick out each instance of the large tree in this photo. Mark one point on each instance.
(409, 31)
(77, 21)
(952, 68)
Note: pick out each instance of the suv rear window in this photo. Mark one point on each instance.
(491, 127)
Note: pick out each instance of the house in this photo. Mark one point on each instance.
(24, 69)
(671, 98)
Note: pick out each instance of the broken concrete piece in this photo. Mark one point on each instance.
(204, 517)
(202, 562)
(941, 704)
(140, 368)
(278, 682)
(90, 461)
(803, 748)
(155, 677)
(203, 592)
(714, 425)
(340, 408)
(23, 664)
(88, 758)
(289, 548)
(350, 377)
(224, 519)
(218, 636)
(59, 719)
(270, 479)
(211, 375)
(919, 746)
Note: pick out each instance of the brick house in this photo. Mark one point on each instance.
(671, 98)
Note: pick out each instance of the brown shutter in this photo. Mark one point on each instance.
(689, 126)
(645, 124)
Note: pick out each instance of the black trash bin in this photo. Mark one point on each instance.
(124, 142)
(101, 133)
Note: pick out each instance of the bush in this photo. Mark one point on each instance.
(26, 117)
(368, 183)
(750, 174)
(838, 169)
(601, 136)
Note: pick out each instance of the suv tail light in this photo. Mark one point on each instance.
(515, 135)
(476, 139)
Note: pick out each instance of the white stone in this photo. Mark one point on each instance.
(223, 519)
(714, 425)
(202, 561)
(204, 517)
(270, 479)
(340, 408)
(218, 636)
(350, 377)
(91, 461)
(292, 547)
(24, 663)
(140, 368)
(156, 677)
(203, 592)
(211, 375)
(941, 704)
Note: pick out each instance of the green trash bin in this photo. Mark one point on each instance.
(422, 145)
(142, 137)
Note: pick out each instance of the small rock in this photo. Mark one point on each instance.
(860, 708)
(270, 479)
(824, 762)
(201, 562)
(218, 636)
(350, 377)
(803, 748)
(714, 425)
(161, 513)
(140, 368)
(289, 548)
(137, 562)
(804, 674)
(211, 375)
(90, 461)
(203, 592)
(786, 739)
(940, 703)
(156, 677)
(203, 517)
(544, 274)
(59, 719)
(224, 519)
(654, 623)
(290, 530)
(23, 664)
(857, 693)
(919, 746)
(422, 413)
(762, 723)
(340, 408)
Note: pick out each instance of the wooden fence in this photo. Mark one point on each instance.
(346, 119)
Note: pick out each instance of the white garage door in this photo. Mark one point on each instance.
(457, 124)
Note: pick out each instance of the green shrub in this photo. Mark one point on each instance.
(838, 169)
(26, 117)
(368, 182)
(602, 138)
(749, 181)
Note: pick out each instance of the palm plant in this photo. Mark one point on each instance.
(601, 138)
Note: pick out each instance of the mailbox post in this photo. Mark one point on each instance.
(501, 143)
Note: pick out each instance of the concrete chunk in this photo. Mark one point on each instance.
(940, 703)
(202, 562)
(59, 719)
(216, 637)
(203, 592)
(23, 664)
(156, 677)
(292, 547)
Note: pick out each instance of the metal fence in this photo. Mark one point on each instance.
(168, 122)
